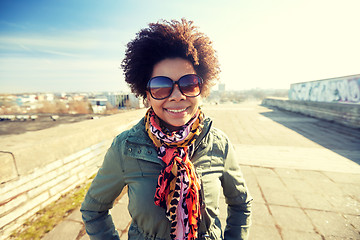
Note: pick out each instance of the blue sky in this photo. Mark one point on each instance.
(78, 45)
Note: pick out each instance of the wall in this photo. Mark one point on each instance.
(22, 198)
(38, 167)
(342, 113)
(342, 89)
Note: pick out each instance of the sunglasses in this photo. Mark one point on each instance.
(161, 87)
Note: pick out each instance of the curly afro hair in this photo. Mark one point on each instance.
(169, 39)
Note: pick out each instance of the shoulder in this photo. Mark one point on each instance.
(219, 135)
(220, 141)
(135, 133)
(215, 137)
(213, 132)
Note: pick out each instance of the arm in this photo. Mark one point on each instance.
(104, 189)
(99, 225)
(237, 197)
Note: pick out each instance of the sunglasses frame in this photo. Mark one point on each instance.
(200, 82)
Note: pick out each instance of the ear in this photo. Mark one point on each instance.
(148, 96)
(147, 101)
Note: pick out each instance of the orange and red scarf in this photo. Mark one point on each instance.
(178, 187)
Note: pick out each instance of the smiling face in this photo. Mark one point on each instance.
(177, 109)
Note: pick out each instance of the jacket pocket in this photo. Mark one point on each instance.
(148, 168)
(141, 160)
(135, 168)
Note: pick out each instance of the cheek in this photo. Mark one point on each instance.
(197, 101)
(157, 105)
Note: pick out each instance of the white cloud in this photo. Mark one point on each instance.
(48, 42)
(60, 75)
(90, 43)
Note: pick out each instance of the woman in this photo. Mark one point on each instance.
(173, 161)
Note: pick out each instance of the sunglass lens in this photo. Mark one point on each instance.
(160, 87)
(190, 85)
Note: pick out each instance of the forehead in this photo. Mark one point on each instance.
(173, 68)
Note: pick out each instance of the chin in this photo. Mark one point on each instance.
(177, 124)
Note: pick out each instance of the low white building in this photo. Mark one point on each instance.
(98, 104)
(124, 100)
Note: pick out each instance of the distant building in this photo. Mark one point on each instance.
(78, 97)
(124, 100)
(45, 97)
(98, 104)
(222, 87)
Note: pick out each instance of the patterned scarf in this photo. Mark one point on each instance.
(178, 188)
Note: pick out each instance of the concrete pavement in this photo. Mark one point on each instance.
(303, 173)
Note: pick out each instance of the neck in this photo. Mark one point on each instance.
(171, 128)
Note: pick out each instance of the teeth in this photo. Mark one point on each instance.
(176, 111)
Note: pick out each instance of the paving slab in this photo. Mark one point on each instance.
(65, 230)
(291, 218)
(316, 201)
(353, 220)
(332, 224)
(295, 185)
(262, 214)
(278, 197)
(299, 235)
(268, 231)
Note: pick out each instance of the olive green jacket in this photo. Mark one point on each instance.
(132, 160)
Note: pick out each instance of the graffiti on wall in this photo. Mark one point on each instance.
(343, 89)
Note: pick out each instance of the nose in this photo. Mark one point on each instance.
(176, 94)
